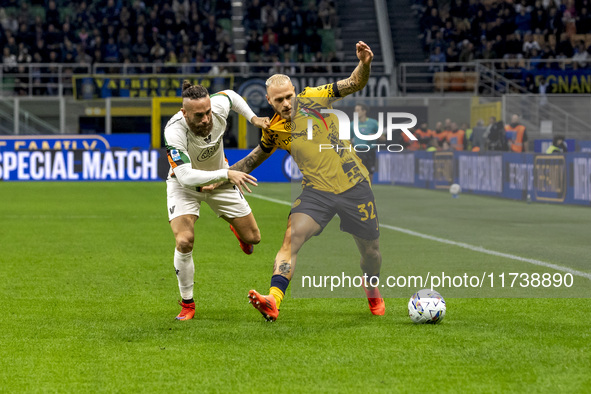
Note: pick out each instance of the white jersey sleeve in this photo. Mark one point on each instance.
(227, 100)
(175, 140)
(190, 177)
(221, 104)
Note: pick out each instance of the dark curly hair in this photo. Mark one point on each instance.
(193, 92)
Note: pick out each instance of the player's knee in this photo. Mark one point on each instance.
(184, 242)
(253, 237)
(372, 252)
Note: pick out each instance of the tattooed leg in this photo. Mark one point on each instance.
(299, 230)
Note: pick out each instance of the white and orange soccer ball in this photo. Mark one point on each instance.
(426, 307)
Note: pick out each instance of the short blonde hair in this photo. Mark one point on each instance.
(277, 80)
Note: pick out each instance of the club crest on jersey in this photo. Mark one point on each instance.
(175, 155)
(208, 152)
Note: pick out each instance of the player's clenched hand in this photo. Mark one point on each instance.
(364, 52)
(241, 179)
(262, 123)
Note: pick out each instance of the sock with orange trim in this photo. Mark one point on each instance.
(279, 285)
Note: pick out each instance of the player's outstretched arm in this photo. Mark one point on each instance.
(252, 160)
(360, 75)
(246, 165)
(240, 106)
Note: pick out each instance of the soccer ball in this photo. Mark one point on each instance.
(426, 306)
(455, 189)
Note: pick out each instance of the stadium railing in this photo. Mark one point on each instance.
(55, 79)
(487, 77)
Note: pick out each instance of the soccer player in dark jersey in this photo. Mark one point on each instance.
(335, 180)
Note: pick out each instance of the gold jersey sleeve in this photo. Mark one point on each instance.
(326, 162)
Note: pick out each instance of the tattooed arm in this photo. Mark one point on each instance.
(252, 161)
(360, 75)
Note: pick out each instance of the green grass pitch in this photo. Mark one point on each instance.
(88, 298)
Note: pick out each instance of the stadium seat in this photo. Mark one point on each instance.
(441, 81)
(457, 81)
(471, 79)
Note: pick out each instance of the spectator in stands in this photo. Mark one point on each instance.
(583, 21)
(530, 84)
(328, 14)
(436, 57)
(489, 52)
(467, 53)
(52, 15)
(529, 44)
(111, 51)
(539, 21)
(452, 55)
(9, 61)
(157, 53)
(523, 21)
(581, 55)
(565, 47)
(515, 135)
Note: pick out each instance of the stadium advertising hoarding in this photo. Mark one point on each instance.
(545, 178)
(87, 87)
(563, 81)
(254, 89)
(74, 142)
(83, 165)
(17, 163)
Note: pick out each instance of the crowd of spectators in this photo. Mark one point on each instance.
(289, 31)
(166, 33)
(114, 31)
(465, 30)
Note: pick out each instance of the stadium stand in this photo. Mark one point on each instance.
(495, 29)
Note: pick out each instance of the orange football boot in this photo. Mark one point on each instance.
(377, 306)
(187, 312)
(264, 304)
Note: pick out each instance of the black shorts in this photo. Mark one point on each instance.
(356, 207)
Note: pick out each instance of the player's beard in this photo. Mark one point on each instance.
(285, 114)
(201, 130)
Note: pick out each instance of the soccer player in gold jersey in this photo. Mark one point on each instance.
(335, 181)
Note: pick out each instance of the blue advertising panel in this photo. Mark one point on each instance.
(480, 173)
(60, 165)
(119, 165)
(563, 81)
(564, 178)
(518, 176)
(579, 179)
(275, 169)
(100, 142)
(584, 146)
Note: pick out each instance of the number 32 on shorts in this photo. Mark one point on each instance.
(363, 209)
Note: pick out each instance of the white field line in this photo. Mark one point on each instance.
(479, 249)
